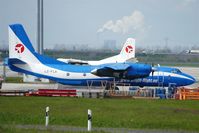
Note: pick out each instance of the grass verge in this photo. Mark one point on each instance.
(115, 113)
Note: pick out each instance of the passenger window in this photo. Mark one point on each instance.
(84, 74)
(68, 74)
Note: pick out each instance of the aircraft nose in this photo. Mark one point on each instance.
(190, 79)
(193, 80)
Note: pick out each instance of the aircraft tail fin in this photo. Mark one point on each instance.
(20, 46)
(127, 53)
(128, 50)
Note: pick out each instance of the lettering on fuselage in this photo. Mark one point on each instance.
(141, 80)
(50, 71)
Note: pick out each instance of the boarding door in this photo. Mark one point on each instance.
(160, 78)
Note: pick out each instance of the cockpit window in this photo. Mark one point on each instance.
(176, 71)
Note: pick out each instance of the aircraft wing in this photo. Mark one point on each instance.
(73, 61)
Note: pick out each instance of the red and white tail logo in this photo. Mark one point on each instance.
(129, 49)
(19, 48)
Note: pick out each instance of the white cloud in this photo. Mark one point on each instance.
(134, 22)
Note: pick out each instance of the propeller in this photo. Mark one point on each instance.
(154, 69)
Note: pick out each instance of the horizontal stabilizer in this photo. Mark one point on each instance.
(15, 61)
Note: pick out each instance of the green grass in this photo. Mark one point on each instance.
(116, 113)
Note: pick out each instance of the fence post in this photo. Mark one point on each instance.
(89, 120)
(47, 116)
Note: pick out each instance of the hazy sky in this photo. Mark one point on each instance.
(150, 22)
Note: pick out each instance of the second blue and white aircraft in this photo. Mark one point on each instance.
(24, 59)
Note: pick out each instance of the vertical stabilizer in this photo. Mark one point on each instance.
(128, 50)
(20, 46)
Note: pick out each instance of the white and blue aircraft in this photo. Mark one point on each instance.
(24, 59)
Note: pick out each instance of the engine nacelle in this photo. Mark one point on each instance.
(138, 71)
(132, 72)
